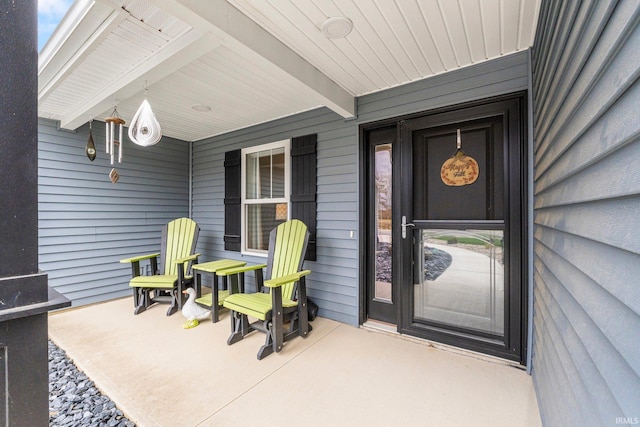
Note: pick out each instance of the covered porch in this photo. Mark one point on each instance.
(160, 374)
(241, 74)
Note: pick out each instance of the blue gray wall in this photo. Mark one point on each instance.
(87, 224)
(334, 284)
(586, 354)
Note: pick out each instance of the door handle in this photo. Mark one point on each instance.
(404, 226)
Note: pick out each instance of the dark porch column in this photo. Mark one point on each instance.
(24, 295)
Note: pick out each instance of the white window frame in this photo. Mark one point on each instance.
(286, 144)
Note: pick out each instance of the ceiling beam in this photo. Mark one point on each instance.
(226, 18)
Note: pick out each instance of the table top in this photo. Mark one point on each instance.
(221, 264)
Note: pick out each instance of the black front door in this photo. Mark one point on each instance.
(445, 226)
(461, 227)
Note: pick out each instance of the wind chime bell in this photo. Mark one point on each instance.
(111, 141)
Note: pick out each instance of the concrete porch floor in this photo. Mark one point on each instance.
(160, 374)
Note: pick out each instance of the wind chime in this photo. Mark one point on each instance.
(145, 129)
(111, 142)
(90, 149)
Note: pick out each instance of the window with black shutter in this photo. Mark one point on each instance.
(263, 204)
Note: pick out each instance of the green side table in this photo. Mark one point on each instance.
(210, 270)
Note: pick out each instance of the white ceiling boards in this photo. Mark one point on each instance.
(253, 61)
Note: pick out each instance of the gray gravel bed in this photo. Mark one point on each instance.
(74, 399)
(436, 262)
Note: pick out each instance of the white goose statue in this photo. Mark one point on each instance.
(192, 311)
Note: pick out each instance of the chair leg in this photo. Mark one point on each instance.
(239, 327)
(274, 327)
(174, 303)
(303, 322)
(264, 351)
(178, 296)
(269, 341)
(277, 325)
(142, 298)
(135, 297)
(303, 310)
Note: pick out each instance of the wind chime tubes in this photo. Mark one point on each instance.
(111, 141)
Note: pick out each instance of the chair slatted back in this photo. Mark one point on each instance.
(179, 239)
(287, 247)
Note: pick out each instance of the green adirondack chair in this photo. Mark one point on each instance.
(287, 297)
(179, 238)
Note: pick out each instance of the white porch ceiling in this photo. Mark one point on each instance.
(253, 61)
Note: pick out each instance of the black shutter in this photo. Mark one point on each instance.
(232, 199)
(303, 186)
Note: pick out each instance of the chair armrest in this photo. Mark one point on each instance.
(139, 258)
(280, 281)
(236, 270)
(186, 259)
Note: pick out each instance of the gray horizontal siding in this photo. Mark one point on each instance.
(586, 352)
(496, 77)
(334, 284)
(87, 224)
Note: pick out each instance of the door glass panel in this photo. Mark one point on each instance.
(383, 222)
(460, 278)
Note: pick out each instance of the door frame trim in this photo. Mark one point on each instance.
(386, 312)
